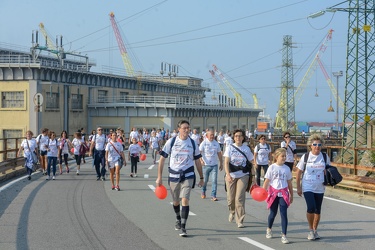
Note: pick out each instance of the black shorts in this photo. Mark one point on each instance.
(43, 153)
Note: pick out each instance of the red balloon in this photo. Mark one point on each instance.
(161, 192)
(72, 150)
(143, 157)
(253, 187)
(259, 194)
(140, 144)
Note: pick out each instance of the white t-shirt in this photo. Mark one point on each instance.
(182, 156)
(238, 159)
(53, 148)
(196, 138)
(154, 142)
(209, 151)
(228, 140)
(134, 134)
(278, 176)
(220, 139)
(313, 173)
(42, 140)
(262, 153)
(77, 145)
(26, 149)
(113, 156)
(64, 144)
(289, 150)
(100, 141)
(135, 149)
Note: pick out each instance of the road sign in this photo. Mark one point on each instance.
(38, 99)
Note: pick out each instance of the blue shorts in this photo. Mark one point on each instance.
(314, 202)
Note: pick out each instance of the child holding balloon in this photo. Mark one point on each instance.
(278, 181)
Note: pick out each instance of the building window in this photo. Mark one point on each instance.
(77, 101)
(13, 99)
(102, 95)
(52, 100)
(12, 134)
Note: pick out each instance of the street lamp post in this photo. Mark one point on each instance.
(337, 74)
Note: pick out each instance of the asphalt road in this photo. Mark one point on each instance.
(78, 212)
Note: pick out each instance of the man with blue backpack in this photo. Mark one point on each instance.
(183, 152)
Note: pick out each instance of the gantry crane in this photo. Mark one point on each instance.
(224, 93)
(125, 57)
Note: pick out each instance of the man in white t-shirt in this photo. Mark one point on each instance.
(99, 142)
(183, 154)
(211, 156)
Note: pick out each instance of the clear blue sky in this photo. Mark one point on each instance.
(242, 37)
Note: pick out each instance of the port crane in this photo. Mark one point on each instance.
(124, 55)
(239, 102)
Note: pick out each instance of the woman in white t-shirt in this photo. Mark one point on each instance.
(64, 144)
(312, 182)
(237, 176)
(77, 144)
(28, 146)
(52, 151)
(113, 155)
(134, 153)
(278, 181)
(262, 155)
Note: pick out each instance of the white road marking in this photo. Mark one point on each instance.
(151, 167)
(255, 243)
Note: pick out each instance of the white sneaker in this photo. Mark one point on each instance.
(53, 178)
(284, 240)
(240, 225)
(317, 236)
(77, 172)
(269, 234)
(311, 235)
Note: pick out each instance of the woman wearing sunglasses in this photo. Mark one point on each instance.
(311, 172)
(290, 147)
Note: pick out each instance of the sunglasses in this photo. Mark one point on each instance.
(317, 144)
(99, 129)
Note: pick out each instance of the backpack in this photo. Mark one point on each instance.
(174, 140)
(268, 146)
(332, 176)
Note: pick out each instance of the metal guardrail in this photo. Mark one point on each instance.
(157, 100)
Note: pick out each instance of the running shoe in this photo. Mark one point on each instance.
(48, 177)
(240, 225)
(135, 175)
(269, 234)
(53, 178)
(214, 198)
(203, 195)
(317, 236)
(113, 187)
(311, 235)
(117, 188)
(77, 172)
(284, 239)
(183, 232)
(131, 175)
(178, 225)
(103, 178)
(97, 178)
(29, 177)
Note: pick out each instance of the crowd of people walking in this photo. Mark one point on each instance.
(192, 155)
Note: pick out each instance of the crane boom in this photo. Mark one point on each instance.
(125, 57)
(50, 45)
(239, 101)
(310, 71)
(330, 84)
